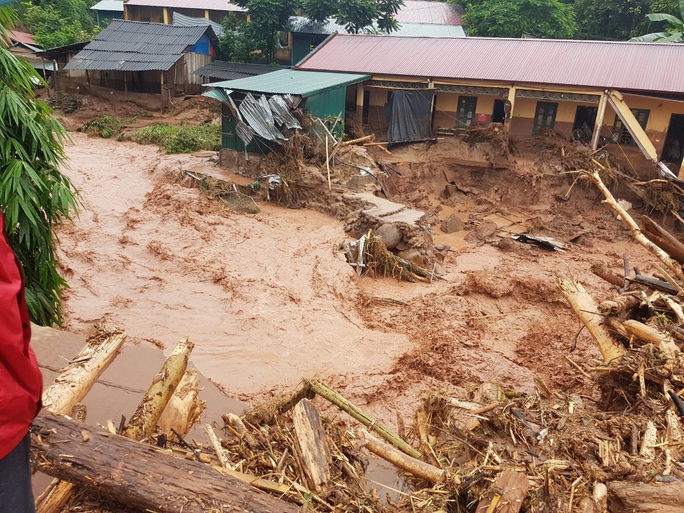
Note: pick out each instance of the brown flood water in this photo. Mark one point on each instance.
(264, 297)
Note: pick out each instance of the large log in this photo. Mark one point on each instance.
(76, 379)
(587, 311)
(139, 475)
(164, 384)
(646, 497)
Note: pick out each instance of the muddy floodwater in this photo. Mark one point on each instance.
(264, 297)
(268, 299)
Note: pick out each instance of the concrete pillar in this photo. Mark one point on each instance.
(359, 101)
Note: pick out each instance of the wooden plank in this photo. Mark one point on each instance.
(506, 494)
(140, 475)
(311, 444)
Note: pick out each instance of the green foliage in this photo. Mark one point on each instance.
(257, 40)
(515, 18)
(610, 19)
(267, 18)
(674, 30)
(242, 42)
(181, 138)
(58, 22)
(106, 126)
(34, 194)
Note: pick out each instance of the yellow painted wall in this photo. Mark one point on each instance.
(378, 97)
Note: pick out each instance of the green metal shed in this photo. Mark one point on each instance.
(323, 94)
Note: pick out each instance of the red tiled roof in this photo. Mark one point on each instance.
(421, 11)
(21, 37)
(212, 5)
(622, 65)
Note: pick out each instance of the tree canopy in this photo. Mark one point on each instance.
(58, 22)
(268, 17)
(517, 18)
(674, 27)
(34, 194)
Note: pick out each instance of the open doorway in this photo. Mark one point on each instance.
(583, 126)
(498, 114)
(673, 149)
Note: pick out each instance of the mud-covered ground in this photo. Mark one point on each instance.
(268, 300)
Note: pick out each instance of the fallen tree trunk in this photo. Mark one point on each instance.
(646, 497)
(76, 379)
(140, 475)
(587, 311)
(164, 384)
(664, 239)
(674, 266)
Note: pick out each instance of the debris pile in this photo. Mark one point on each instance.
(369, 255)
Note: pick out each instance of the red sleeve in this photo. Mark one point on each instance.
(21, 383)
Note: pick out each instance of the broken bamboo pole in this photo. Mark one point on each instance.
(164, 384)
(362, 417)
(365, 138)
(586, 310)
(400, 460)
(674, 266)
(141, 476)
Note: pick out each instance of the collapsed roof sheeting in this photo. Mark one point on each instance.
(281, 112)
(258, 115)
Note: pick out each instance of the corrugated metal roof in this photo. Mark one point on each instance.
(303, 25)
(224, 70)
(287, 81)
(137, 46)
(653, 67)
(186, 21)
(21, 37)
(428, 30)
(212, 5)
(421, 11)
(109, 5)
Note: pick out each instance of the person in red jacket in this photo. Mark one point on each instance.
(21, 385)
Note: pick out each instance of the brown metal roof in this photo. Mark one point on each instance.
(421, 11)
(212, 5)
(21, 37)
(653, 67)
